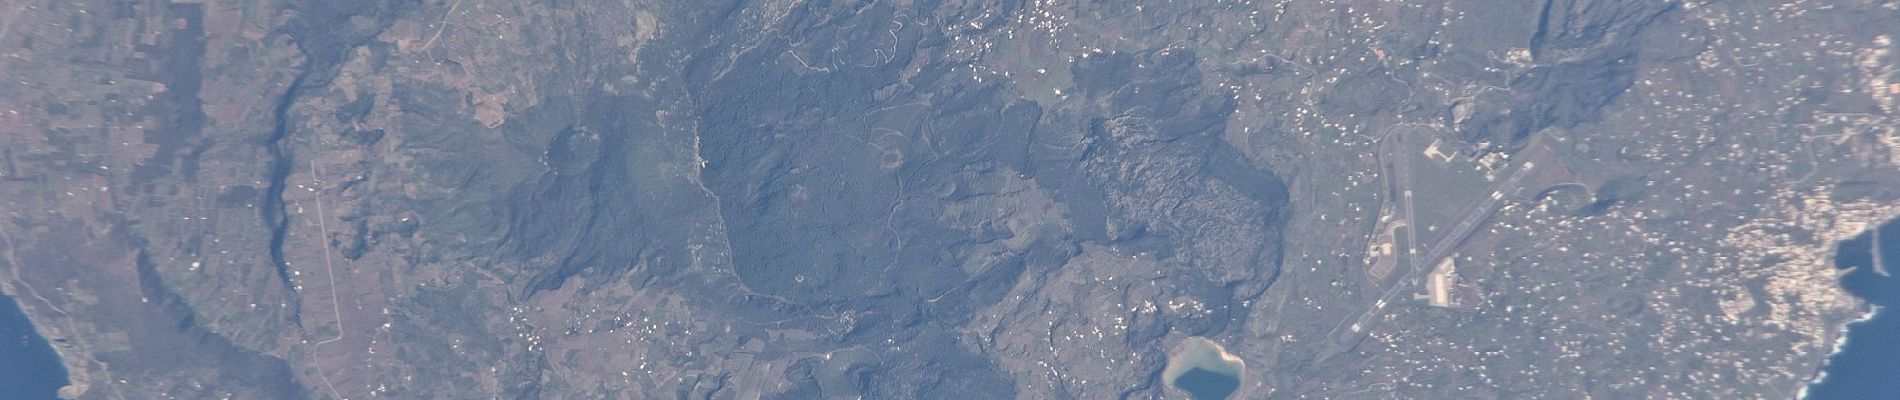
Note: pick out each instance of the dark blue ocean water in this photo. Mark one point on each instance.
(28, 367)
(1868, 367)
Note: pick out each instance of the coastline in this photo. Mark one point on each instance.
(1869, 310)
(71, 352)
(1840, 343)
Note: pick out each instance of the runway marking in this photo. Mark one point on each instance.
(329, 269)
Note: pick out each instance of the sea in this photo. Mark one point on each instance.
(28, 367)
(1866, 364)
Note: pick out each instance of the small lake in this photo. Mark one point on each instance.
(1207, 385)
(1868, 366)
(28, 367)
(1204, 370)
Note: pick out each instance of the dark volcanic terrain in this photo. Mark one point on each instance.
(941, 199)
